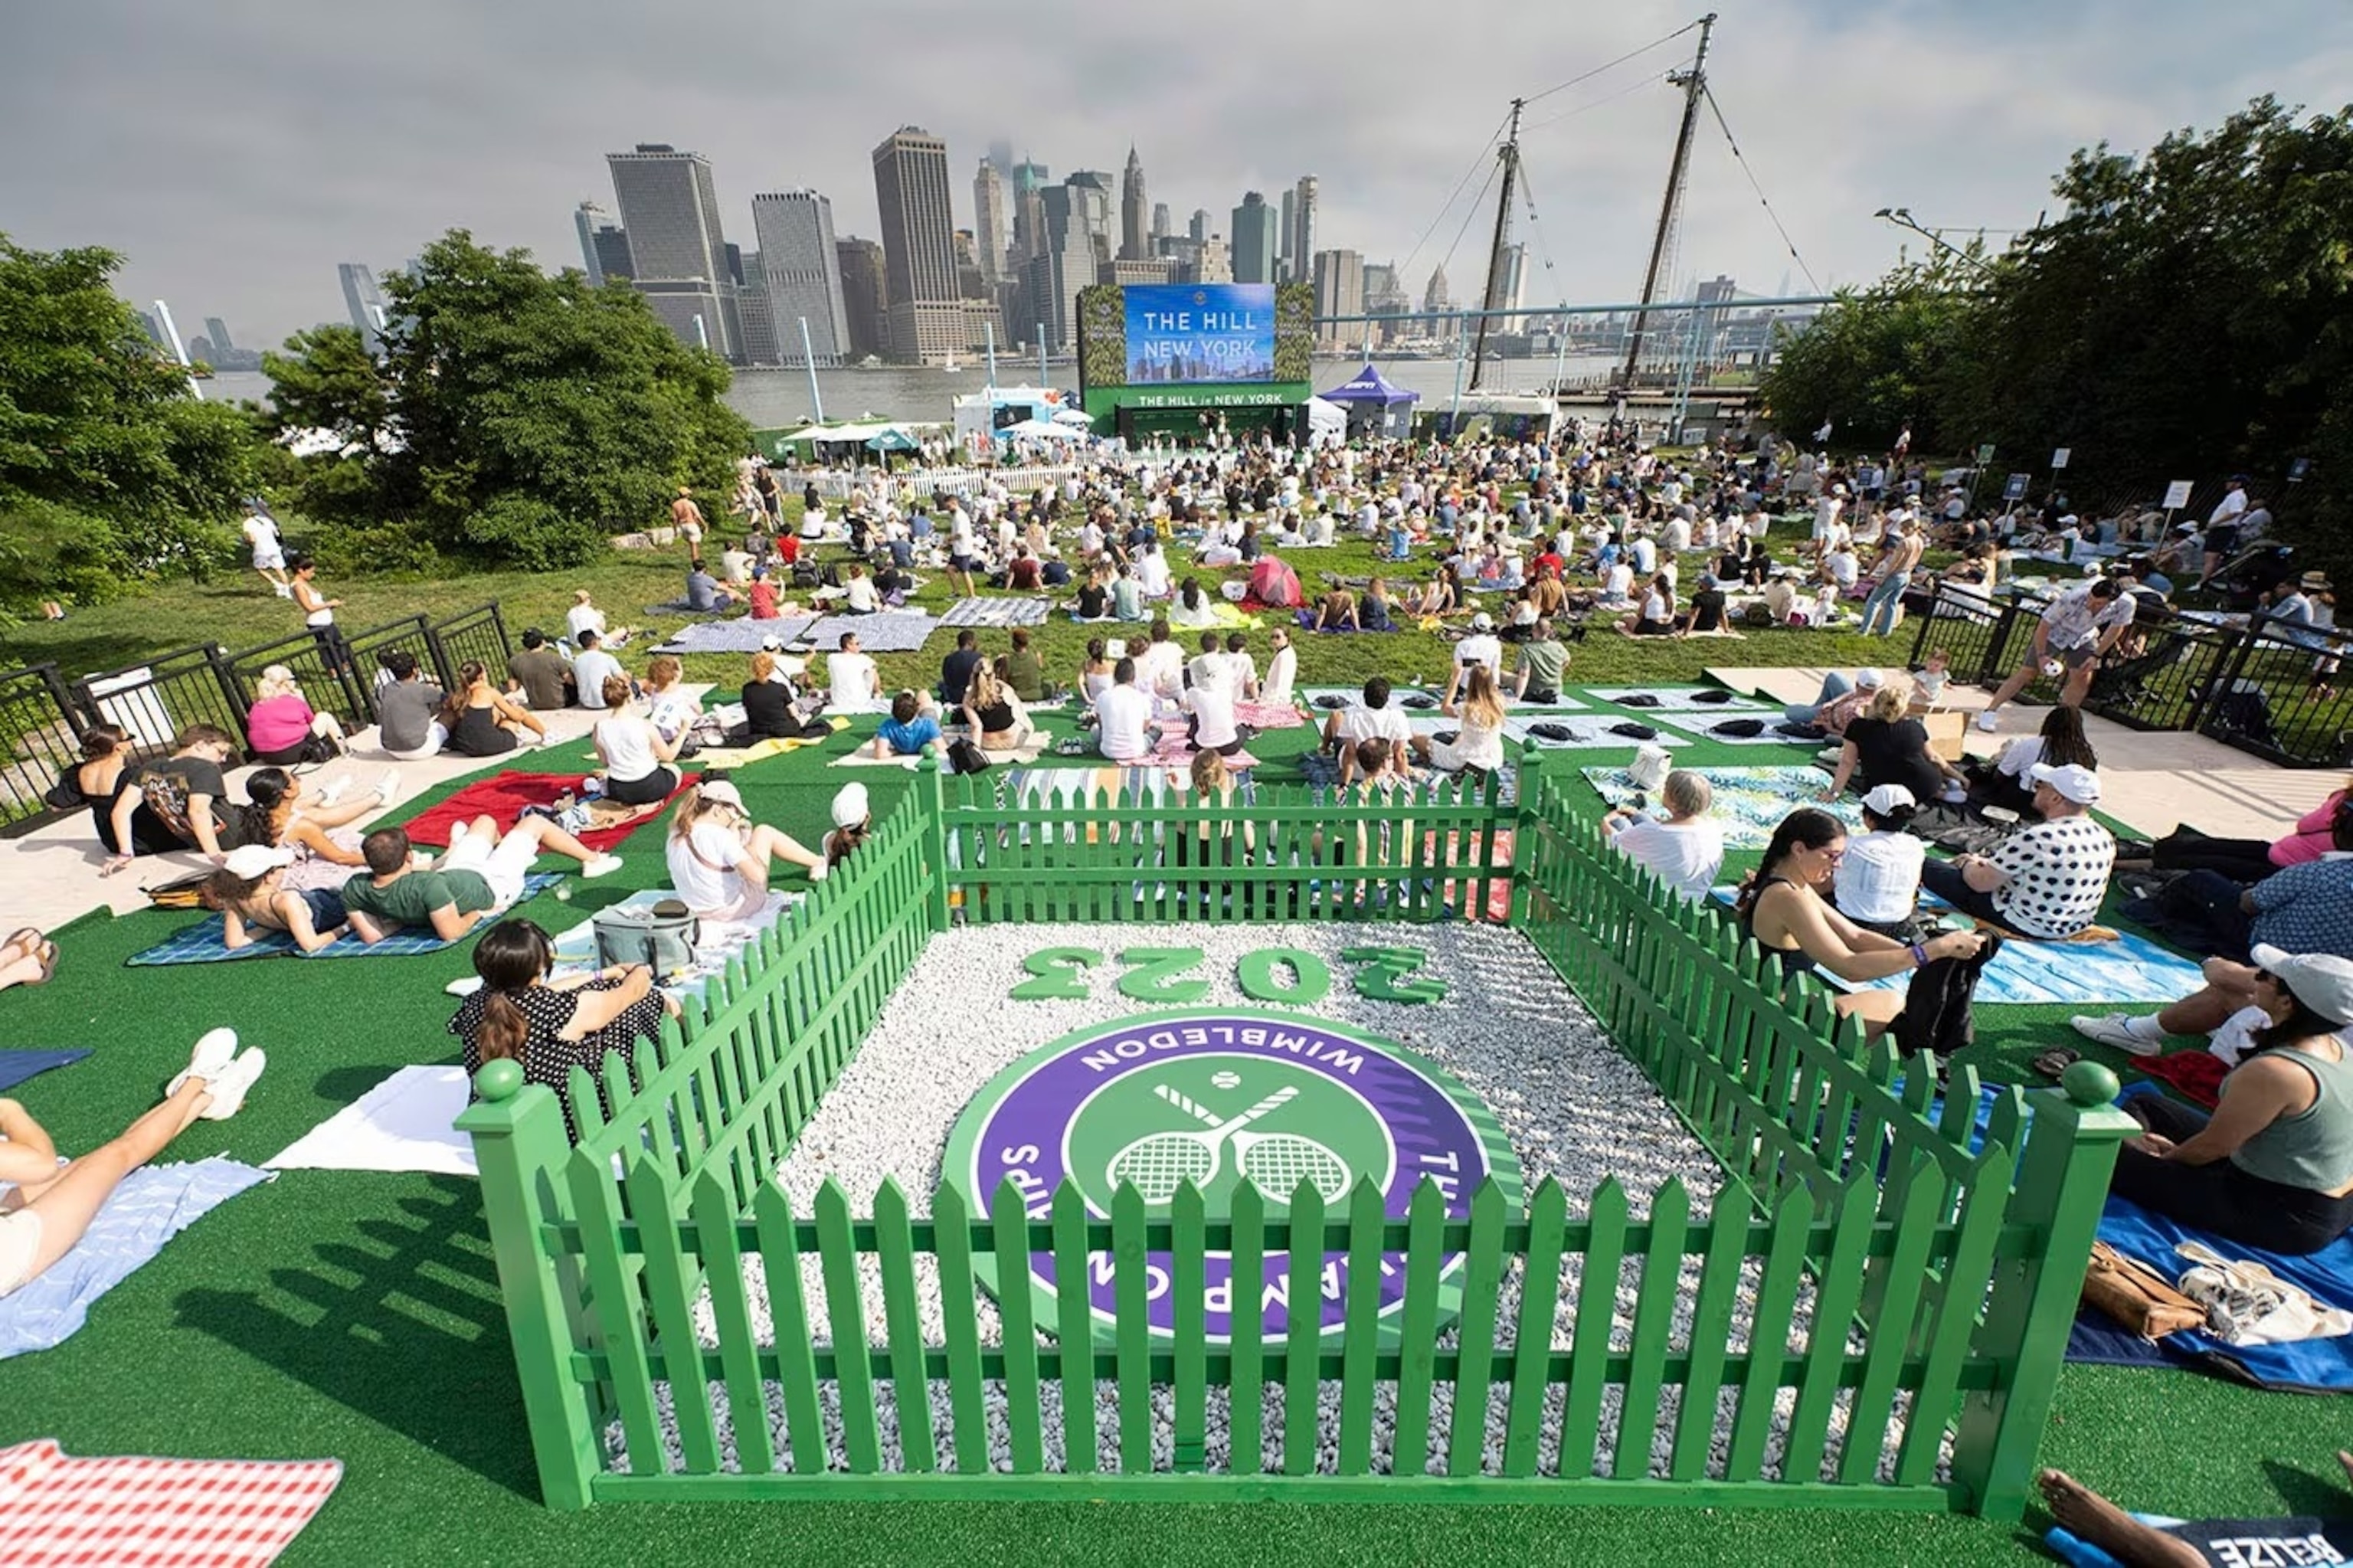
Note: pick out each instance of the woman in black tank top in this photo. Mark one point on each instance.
(1806, 931)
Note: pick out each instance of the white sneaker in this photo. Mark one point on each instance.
(387, 788)
(229, 1086)
(332, 789)
(211, 1056)
(603, 866)
(2112, 1030)
(284, 590)
(458, 831)
(1988, 721)
(820, 871)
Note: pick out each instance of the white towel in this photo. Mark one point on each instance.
(402, 1123)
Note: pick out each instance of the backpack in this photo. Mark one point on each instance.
(1936, 1019)
(2246, 713)
(166, 795)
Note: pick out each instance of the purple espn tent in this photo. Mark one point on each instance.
(1375, 405)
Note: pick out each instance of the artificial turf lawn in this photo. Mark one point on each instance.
(356, 1315)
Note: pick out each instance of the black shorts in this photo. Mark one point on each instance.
(2221, 541)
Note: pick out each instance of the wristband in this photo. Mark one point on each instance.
(1919, 955)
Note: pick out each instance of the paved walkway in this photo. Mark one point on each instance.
(51, 875)
(2153, 781)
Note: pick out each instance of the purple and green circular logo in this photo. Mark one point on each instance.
(1218, 1098)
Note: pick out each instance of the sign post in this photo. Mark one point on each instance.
(2176, 496)
(1985, 456)
(2014, 488)
(2059, 457)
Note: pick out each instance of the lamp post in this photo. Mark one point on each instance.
(808, 359)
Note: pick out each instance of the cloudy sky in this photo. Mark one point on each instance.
(237, 149)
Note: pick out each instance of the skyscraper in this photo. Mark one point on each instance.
(218, 330)
(1197, 226)
(1253, 239)
(1289, 264)
(1300, 210)
(800, 273)
(364, 300)
(1133, 246)
(1074, 217)
(865, 296)
(1027, 181)
(989, 221)
(1160, 229)
(910, 189)
(670, 205)
(761, 344)
(602, 244)
(1435, 297)
(1339, 291)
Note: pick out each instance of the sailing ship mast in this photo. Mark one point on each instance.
(1694, 83)
(1497, 258)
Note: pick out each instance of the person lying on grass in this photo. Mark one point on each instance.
(47, 1208)
(482, 873)
(252, 895)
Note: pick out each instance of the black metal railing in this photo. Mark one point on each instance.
(329, 685)
(478, 634)
(2279, 695)
(43, 739)
(156, 698)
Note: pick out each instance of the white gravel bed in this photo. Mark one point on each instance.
(1573, 1108)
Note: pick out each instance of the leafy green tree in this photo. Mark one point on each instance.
(111, 470)
(530, 417)
(1879, 359)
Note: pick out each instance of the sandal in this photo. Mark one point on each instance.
(2055, 1063)
(27, 938)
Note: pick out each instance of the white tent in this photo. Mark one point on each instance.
(1327, 422)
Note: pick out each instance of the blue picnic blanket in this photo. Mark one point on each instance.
(151, 1206)
(15, 1067)
(202, 943)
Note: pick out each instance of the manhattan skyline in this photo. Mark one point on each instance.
(299, 147)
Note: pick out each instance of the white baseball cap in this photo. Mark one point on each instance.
(2073, 780)
(850, 806)
(2322, 981)
(1482, 622)
(1868, 679)
(721, 790)
(1889, 799)
(250, 862)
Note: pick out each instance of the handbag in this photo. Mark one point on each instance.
(2136, 1297)
(963, 757)
(661, 935)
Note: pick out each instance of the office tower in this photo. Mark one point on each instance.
(761, 344)
(1339, 291)
(670, 205)
(1300, 213)
(1217, 263)
(148, 324)
(800, 273)
(363, 301)
(1160, 229)
(604, 245)
(1287, 264)
(1026, 180)
(218, 330)
(1072, 217)
(200, 349)
(1132, 244)
(1000, 158)
(1516, 261)
(1435, 297)
(1253, 240)
(865, 296)
(910, 189)
(1197, 226)
(989, 221)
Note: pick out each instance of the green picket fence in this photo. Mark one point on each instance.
(1867, 1265)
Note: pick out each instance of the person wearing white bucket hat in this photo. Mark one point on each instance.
(853, 818)
(719, 858)
(2273, 1166)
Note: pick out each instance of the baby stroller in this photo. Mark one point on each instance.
(2129, 683)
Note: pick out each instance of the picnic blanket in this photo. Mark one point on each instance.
(1702, 726)
(1351, 695)
(740, 635)
(1029, 751)
(884, 631)
(148, 1208)
(1587, 731)
(728, 757)
(996, 612)
(160, 1513)
(402, 1123)
(202, 942)
(1684, 699)
(1750, 801)
(15, 1067)
(502, 798)
(1269, 716)
(2129, 969)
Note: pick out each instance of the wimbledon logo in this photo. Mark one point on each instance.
(1217, 1099)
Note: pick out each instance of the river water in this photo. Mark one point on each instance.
(778, 398)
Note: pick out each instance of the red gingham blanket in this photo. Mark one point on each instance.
(61, 1513)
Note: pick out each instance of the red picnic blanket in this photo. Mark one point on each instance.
(62, 1512)
(2197, 1073)
(502, 798)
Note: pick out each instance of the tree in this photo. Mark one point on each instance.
(530, 417)
(111, 469)
(1878, 360)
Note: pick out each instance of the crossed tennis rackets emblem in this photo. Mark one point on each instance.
(1275, 1163)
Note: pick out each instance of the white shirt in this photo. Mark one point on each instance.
(1387, 722)
(1645, 552)
(1686, 857)
(1481, 648)
(629, 754)
(704, 890)
(1213, 708)
(1878, 879)
(1160, 667)
(1618, 582)
(583, 618)
(858, 595)
(2229, 507)
(1124, 724)
(1214, 670)
(1281, 671)
(589, 670)
(853, 680)
(1843, 568)
(1679, 535)
(1152, 571)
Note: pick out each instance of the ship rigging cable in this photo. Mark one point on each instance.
(1613, 65)
(1717, 109)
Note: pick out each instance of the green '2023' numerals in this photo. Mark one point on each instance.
(1160, 975)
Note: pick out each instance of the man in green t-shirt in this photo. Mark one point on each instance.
(482, 873)
(1542, 659)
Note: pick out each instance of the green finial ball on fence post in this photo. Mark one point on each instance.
(2089, 1083)
(498, 1080)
